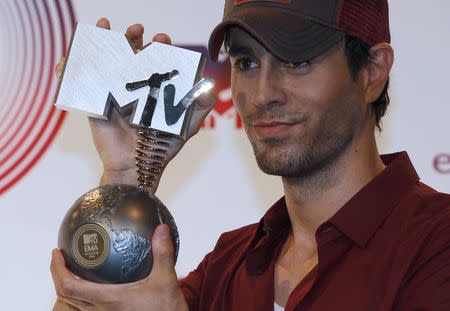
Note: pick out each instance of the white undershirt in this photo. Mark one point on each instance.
(277, 307)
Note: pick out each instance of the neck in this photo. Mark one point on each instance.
(312, 201)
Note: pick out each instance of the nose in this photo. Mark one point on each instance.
(268, 91)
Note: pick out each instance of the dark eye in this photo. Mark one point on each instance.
(301, 66)
(244, 64)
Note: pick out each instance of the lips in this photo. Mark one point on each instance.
(272, 129)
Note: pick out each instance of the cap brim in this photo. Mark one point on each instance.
(287, 36)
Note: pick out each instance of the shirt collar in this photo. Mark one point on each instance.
(277, 218)
(360, 217)
(267, 239)
(275, 222)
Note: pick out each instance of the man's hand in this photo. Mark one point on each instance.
(158, 291)
(116, 141)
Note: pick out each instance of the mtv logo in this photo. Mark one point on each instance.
(153, 88)
(90, 238)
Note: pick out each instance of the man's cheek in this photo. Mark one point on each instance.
(240, 100)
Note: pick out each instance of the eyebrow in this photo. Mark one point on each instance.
(240, 50)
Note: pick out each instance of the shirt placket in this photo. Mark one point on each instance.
(329, 250)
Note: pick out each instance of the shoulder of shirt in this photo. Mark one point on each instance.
(427, 211)
(240, 235)
(234, 242)
(432, 204)
(427, 222)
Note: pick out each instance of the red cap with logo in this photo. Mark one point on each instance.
(298, 30)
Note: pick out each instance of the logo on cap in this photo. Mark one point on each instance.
(239, 2)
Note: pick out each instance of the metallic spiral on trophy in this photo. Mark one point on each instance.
(150, 156)
(106, 235)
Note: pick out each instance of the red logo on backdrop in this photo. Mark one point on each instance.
(238, 2)
(29, 122)
(220, 71)
(441, 163)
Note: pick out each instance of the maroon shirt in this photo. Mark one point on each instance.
(388, 248)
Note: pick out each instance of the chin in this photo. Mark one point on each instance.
(297, 161)
(279, 161)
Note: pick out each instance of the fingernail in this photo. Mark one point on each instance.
(164, 232)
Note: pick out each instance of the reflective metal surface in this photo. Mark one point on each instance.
(151, 155)
(101, 63)
(106, 235)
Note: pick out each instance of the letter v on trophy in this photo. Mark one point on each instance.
(105, 236)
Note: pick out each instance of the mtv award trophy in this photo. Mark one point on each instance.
(106, 235)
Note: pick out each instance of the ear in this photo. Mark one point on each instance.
(377, 70)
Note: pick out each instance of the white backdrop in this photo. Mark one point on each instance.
(214, 185)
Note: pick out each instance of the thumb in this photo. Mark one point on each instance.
(163, 255)
(206, 101)
(203, 105)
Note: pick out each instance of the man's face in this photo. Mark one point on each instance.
(299, 117)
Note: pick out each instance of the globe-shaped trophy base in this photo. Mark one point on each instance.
(105, 237)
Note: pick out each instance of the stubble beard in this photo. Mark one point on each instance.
(302, 159)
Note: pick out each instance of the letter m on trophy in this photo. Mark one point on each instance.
(153, 88)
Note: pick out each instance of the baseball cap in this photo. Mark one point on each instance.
(299, 30)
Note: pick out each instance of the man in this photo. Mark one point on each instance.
(354, 231)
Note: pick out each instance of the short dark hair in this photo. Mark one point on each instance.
(357, 54)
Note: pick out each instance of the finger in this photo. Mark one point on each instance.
(103, 23)
(163, 256)
(69, 287)
(135, 34)
(73, 304)
(202, 107)
(116, 123)
(206, 101)
(57, 278)
(162, 38)
(62, 305)
(59, 67)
